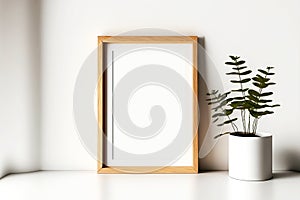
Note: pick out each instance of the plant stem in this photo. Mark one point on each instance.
(242, 110)
(249, 123)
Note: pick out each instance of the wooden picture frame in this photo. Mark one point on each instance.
(102, 104)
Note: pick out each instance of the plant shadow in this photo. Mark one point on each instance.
(286, 174)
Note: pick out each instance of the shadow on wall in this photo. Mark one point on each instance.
(203, 107)
(283, 175)
(19, 86)
(210, 158)
(291, 160)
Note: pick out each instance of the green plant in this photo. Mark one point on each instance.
(251, 103)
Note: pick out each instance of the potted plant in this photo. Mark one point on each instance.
(250, 152)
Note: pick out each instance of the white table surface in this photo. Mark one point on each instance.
(88, 185)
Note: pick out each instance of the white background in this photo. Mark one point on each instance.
(129, 57)
(263, 32)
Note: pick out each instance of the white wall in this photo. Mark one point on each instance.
(19, 86)
(263, 32)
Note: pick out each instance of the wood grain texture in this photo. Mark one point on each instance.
(103, 169)
(147, 170)
(146, 39)
(195, 102)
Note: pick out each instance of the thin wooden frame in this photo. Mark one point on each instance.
(102, 40)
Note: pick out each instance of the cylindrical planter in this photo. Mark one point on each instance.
(250, 158)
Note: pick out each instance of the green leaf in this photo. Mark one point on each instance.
(270, 83)
(260, 79)
(236, 63)
(239, 68)
(257, 114)
(233, 73)
(229, 100)
(264, 101)
(240, 73)
(236, 104)
(223, 103)
(253, 98)
(256, 100)
(267, 106)
(234, 57)
(272, 106)
(250, 105)
(254, 113)
(228, 111)
(240, 62)
(265, 72)
(246, 72)
(230, 63)
(240, 90)
(237, 98)
(260, 85)
(241, 81)
(266, 94)
(253, 93)
(263, 78)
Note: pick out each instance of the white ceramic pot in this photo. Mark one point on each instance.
(250, 158)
